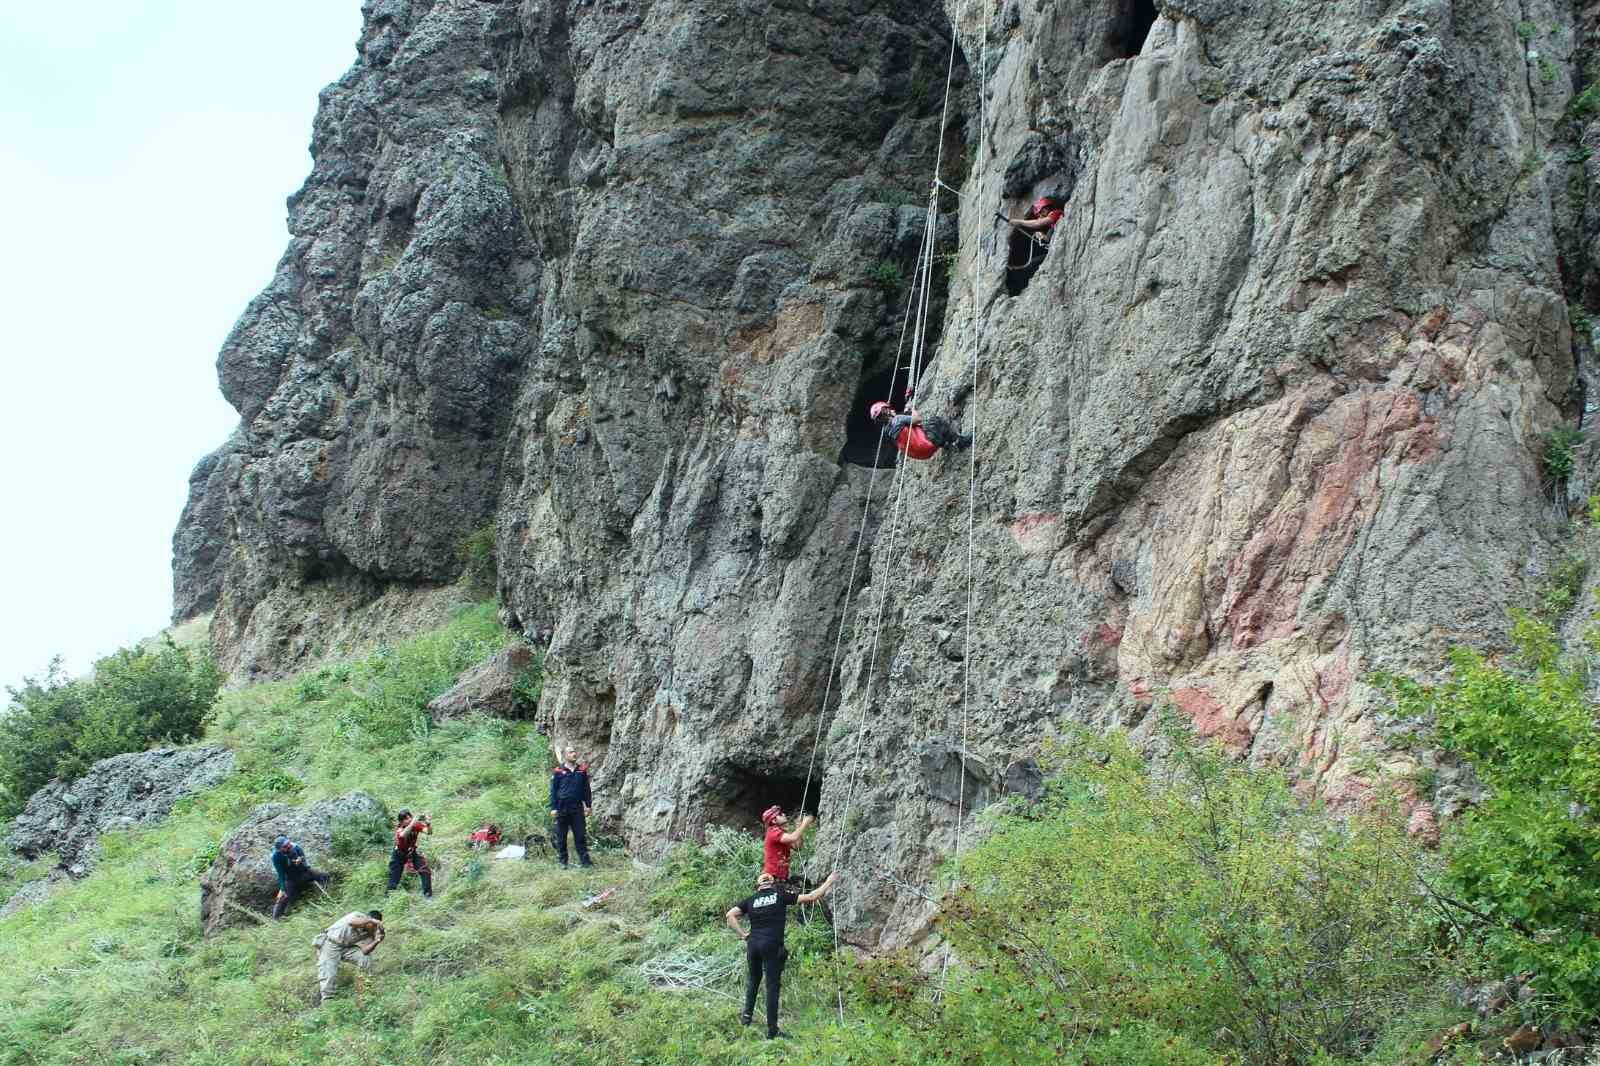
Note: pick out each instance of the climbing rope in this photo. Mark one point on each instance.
(972, 488)
(861, 539)
(920, 293)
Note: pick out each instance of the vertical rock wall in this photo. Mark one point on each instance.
(614, 276)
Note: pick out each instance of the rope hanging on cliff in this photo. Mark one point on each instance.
(861, 539)
(924, 272)
(972, 489)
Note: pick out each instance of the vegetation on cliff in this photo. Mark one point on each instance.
(58, 726)
(1180, 911)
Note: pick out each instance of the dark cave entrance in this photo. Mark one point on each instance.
(737, 794)
(1023, 259)
(1129, 29)
(861, 433)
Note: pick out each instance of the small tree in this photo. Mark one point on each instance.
(136, 697)
(1150, 916)
(1522, 863)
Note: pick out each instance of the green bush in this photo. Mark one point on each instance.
(355, 834)
(1560, 452)
(1521, 863)
(481, 569)
(703, 880)
(888, 277)
(135, 698)
(1560, 593)
(1198, 912)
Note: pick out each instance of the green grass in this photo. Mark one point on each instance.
(504, 965)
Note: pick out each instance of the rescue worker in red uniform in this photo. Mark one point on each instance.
(406, 856)
(780, 842)
(918, 436)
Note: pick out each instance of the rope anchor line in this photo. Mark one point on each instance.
(920, 293)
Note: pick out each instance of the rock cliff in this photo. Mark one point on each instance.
(621, 278)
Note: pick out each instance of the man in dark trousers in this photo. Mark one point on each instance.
(294, 874)
(570, 801)
(406, 856)
(917, 436)
(764, 950)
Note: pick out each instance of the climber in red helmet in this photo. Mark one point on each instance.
(919, 436)
(1041, 216)
(779, 842)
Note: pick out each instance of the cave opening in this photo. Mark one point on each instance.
(861, 434)
(1130, 29)
(737, 793)
(1023, 259)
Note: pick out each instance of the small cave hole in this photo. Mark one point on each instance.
(1129, 29)
(1023, 260)
(737, 794)
(861, 433)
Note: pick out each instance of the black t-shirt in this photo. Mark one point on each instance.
(767, 911)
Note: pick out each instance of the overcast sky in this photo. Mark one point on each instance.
(147, 151)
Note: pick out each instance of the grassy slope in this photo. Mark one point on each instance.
(502, 966)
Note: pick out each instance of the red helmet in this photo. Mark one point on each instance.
(770, 815)
(873, 412)
(1045, 203)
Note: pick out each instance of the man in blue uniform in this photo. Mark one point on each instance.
(570, 802)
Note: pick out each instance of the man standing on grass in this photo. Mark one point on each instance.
(294, 874)
(764, 950)
(351, 939)
(570, 802)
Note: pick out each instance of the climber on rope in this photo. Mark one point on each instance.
(294, 874)
(918, 436)
(779, 842)
(764, 950)
(406, 856)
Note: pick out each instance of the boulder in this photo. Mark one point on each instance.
(67, 817)
(489, 687)
(241, 879)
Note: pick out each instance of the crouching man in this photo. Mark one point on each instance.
(351, 939)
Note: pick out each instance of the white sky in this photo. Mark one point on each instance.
(146, 152)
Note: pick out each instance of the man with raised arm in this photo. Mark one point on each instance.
(764, 950)
(570, 803)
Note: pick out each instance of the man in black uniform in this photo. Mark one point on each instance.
(764, 951)
(570, 801)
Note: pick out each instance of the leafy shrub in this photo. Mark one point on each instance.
(1521, 862)
(354, 834)
(1202, 907)
(528, 686)
(703, 880)
(137, 697)
(888, 277)
(1560, 593)
(1560, 452)
(478, 554)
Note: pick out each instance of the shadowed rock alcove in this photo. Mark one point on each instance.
(1129, 29)
(861, 433)
(738, 793)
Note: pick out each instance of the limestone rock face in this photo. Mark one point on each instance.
(621, 279)
(241, 879)
(116, 793)
(488, 688)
